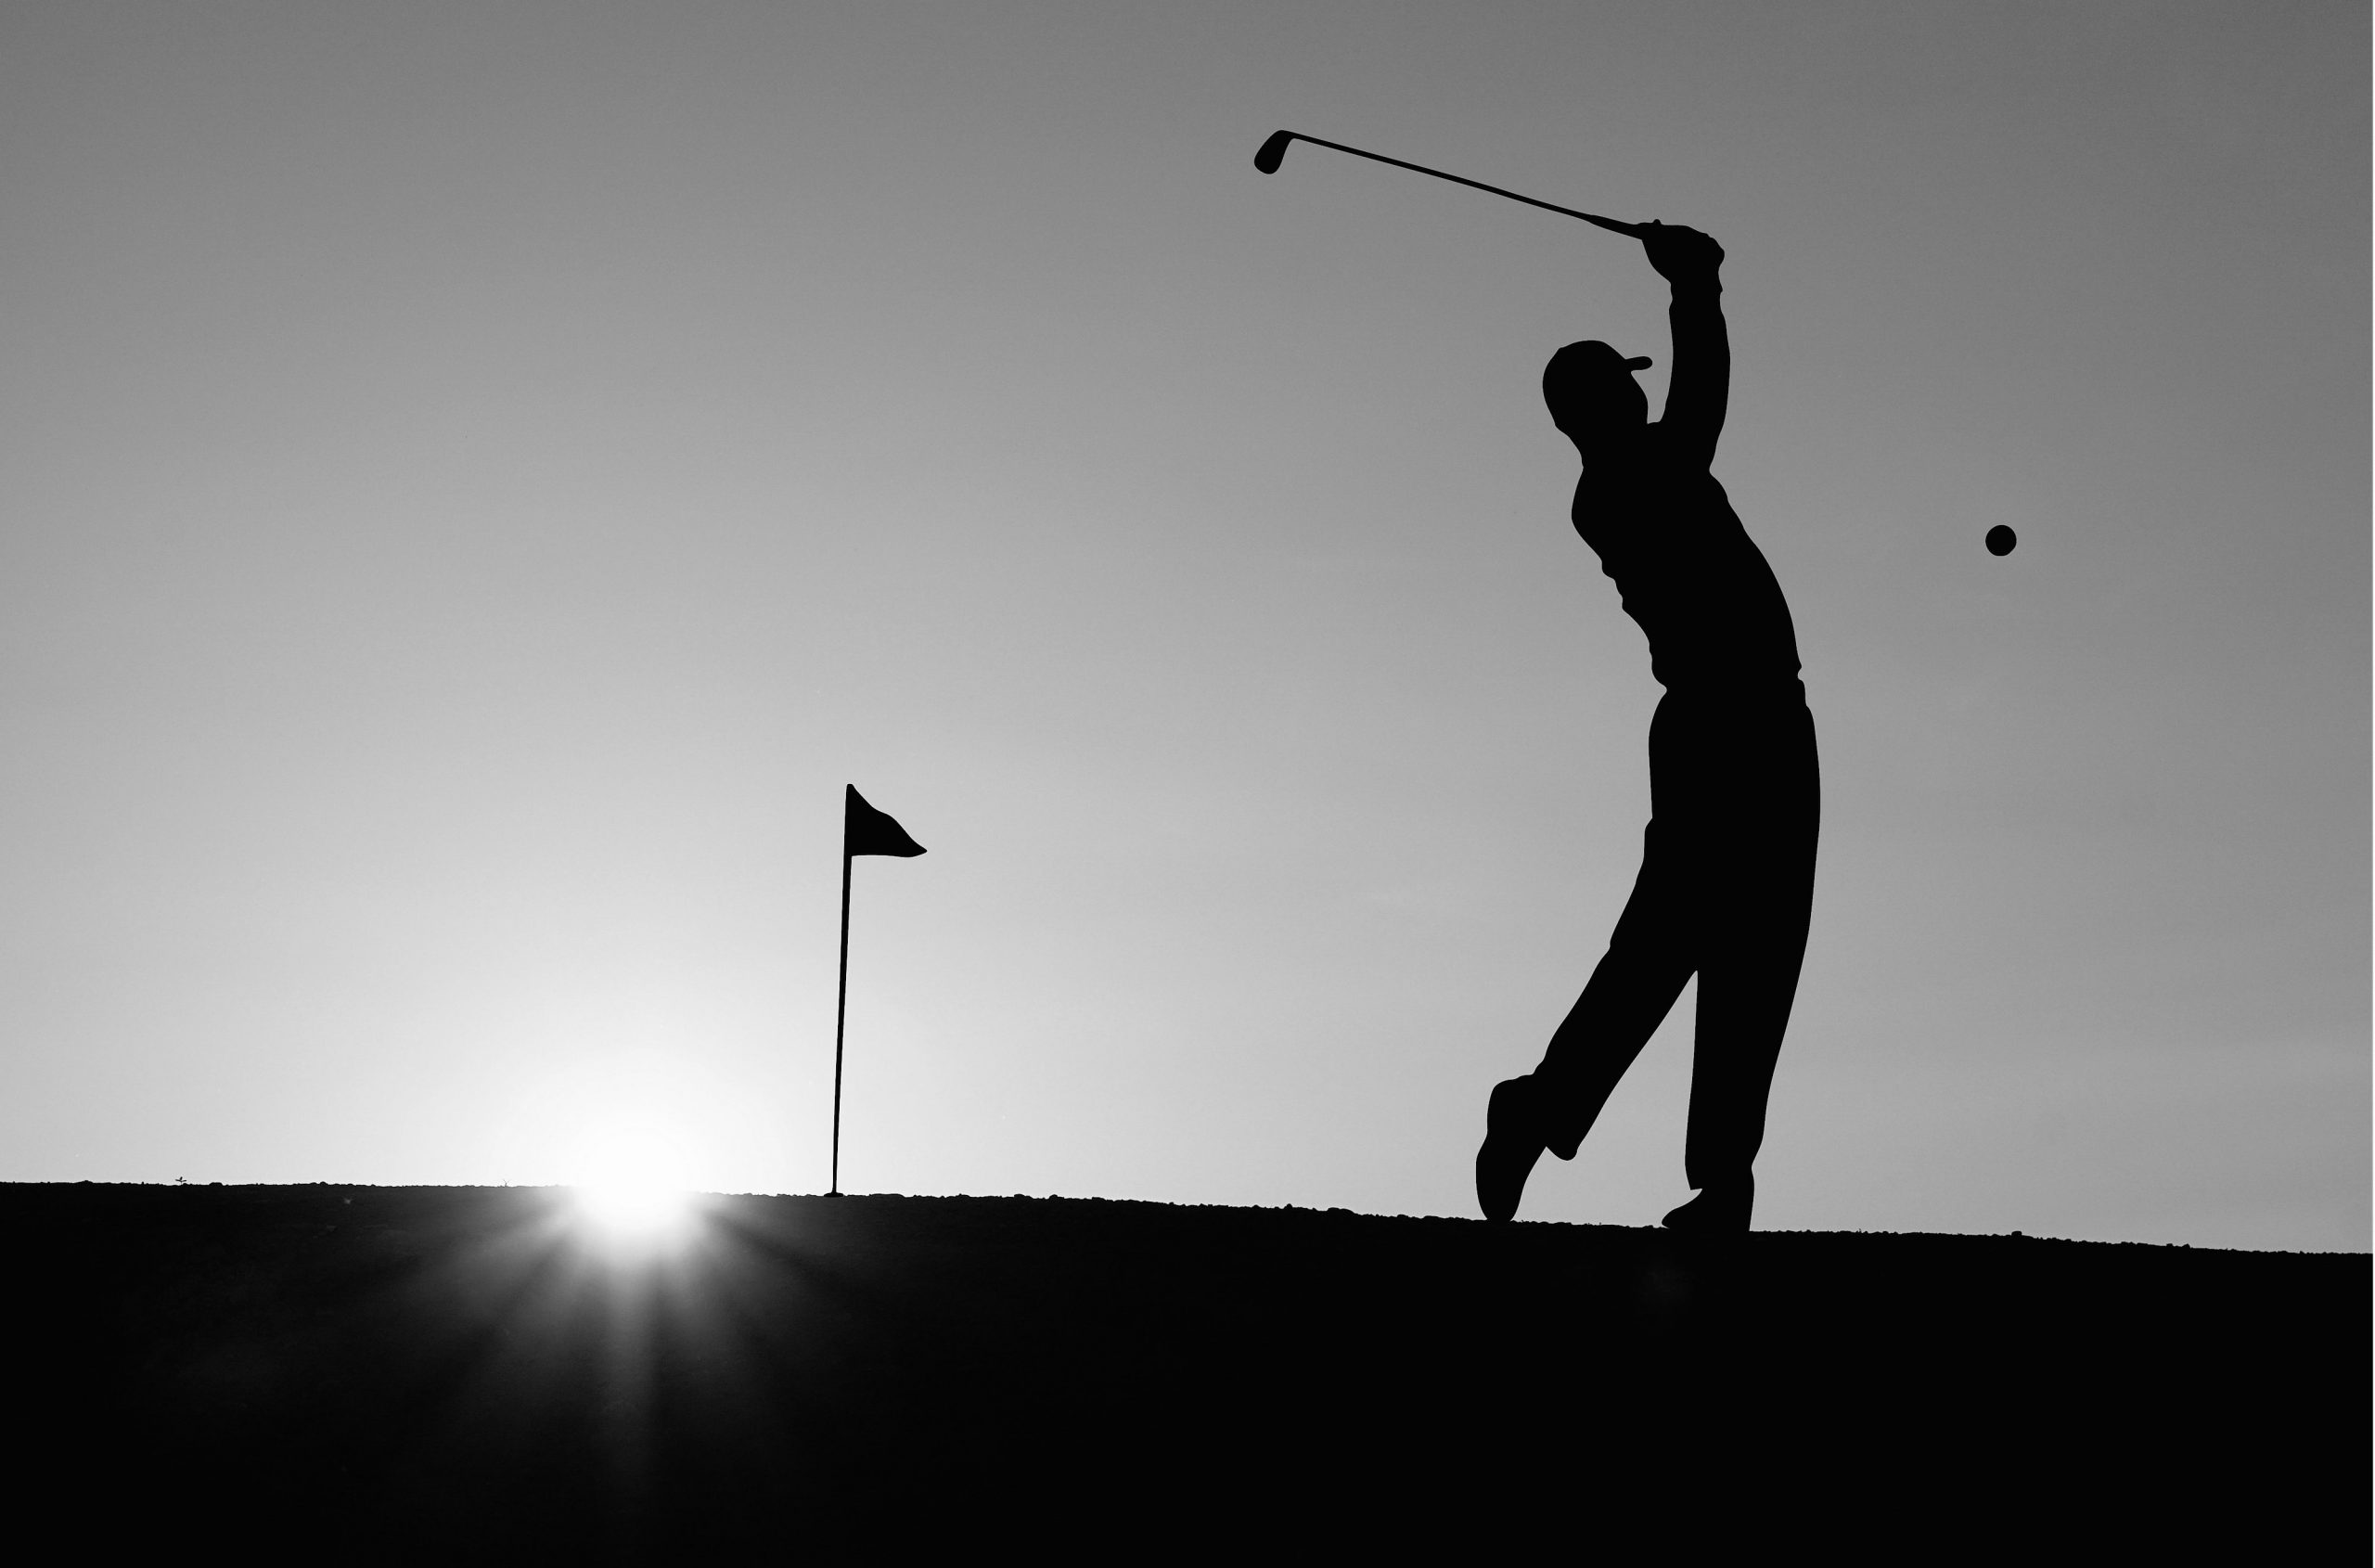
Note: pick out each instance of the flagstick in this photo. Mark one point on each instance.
(840, 1013)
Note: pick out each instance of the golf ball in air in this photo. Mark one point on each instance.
(2000, 540)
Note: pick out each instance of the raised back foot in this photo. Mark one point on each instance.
(1513, 1142)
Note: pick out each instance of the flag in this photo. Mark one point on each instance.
(867, 831)
(864, 831)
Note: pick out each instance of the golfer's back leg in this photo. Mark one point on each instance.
(1650, 958)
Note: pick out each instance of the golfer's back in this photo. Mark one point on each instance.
(1666, 532)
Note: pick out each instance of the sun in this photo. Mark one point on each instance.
(630, 1189)
(634, 1214)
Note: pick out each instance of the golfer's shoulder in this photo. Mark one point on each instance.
(1673, 449)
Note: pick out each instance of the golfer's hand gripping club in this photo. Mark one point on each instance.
(1682, 256)
(1274, 150)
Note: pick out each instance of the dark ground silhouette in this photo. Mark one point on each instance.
(440, 1375)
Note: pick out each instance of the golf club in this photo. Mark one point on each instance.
(1274, 150)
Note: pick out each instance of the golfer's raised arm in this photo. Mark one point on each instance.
(1701, 385)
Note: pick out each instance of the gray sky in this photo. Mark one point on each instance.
(477, 480)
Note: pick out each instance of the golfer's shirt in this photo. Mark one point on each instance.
(1703, 592)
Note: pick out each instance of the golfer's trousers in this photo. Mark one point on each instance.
(1726, 891)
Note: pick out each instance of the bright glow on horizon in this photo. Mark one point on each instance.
(636, 1214)
(630, 1184)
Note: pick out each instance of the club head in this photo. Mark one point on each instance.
(1274, 151)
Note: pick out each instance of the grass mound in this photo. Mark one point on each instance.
(468, 1374)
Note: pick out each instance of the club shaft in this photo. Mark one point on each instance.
(1610, 223)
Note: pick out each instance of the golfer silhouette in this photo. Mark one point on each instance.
(1726, 881)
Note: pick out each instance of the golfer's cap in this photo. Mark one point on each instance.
(1594, 356)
